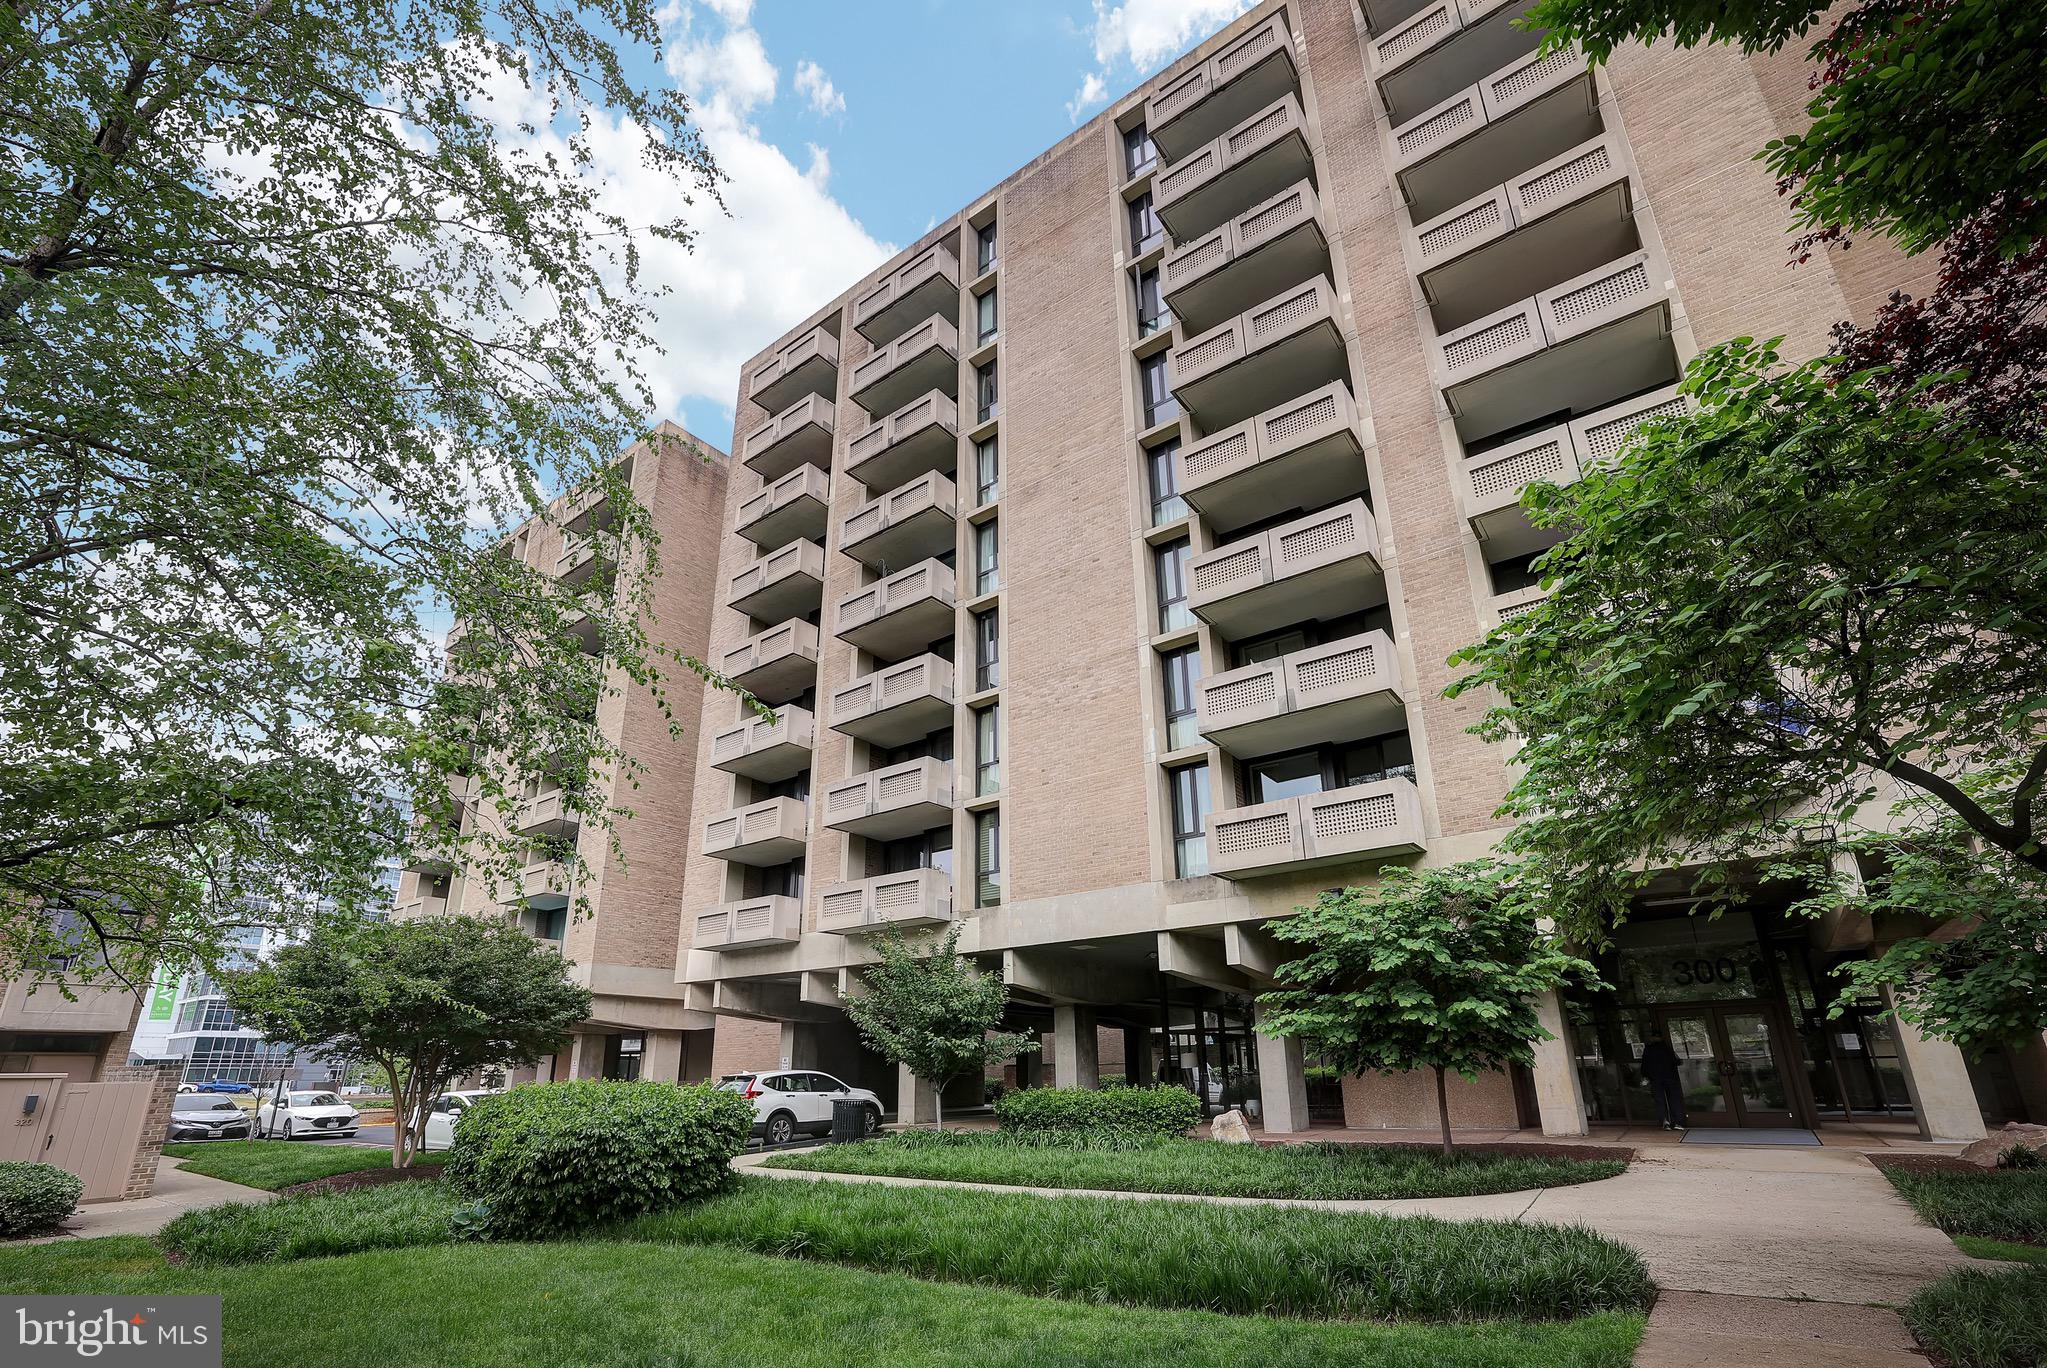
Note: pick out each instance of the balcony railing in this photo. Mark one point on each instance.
(1366, 821)
(1264, 356)
(1306, 453)
(1383, 16)
(1248, 165)
(419, 907)
(1254, 256)
(809, 365)
(792, 507)
(1320, 566)
(767, 749)
(1495, 480)
(897, 705)
(782, 584)
(926, 284)
(911, 523)
(579, 561)
(1512, 603)
(543, 884)
(799, 435)
(750, 924)
(919, 437)
(545, 814)
(1521, 115)
(769, 833)
(775, 665)
(886, 804)
(899, 616)
(1339, 691)
(1444, 48)
(1238, 80)
(920, 897)
(924, 358)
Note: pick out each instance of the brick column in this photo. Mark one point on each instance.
(149, 1148)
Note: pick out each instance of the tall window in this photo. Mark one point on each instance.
(987, 471)
(986, 397)
(987, 858)
(984, 316)
(1159, 404)
(988, 751)
(1146, 232)
(987, 650)
(1181, 669)
(1152, 313)
(1139, 156)
(1190, 810)
(1171, 562)
(1166, 503)
(987, 558)
(984, 248)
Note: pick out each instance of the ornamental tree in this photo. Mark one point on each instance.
(924, 1006)
(1434, 968)
(1809, 596)
(427, 1001)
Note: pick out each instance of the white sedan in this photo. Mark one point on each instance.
(301, 1114)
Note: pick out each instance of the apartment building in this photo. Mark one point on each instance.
(1102, 552)
(623, 949)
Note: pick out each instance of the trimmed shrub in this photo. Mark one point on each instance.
(1097, 1115)
(553, 1157)
(35, 1198)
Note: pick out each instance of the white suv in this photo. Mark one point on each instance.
(790, 1102)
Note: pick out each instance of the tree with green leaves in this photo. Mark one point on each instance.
(924, 1006)
(427, 1001)
(297, 303)
(1435, 968)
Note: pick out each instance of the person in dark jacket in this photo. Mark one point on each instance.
(1659, 1066)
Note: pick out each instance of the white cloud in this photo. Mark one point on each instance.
(1094, 88)
(1137, 37)
(729, 77)
(815, 86)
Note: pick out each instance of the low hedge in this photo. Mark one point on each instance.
(35, 1198)
(1084, 1115)
(549, 1158)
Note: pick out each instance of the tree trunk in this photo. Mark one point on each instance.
(1443, 1111)
(937, 1106)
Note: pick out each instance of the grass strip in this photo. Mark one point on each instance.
(275, 1164)
(1977, 1319)
(1996, 1204)
(392, 1216)
(1976, 1247)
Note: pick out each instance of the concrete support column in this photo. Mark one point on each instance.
(1938, 1079)
(661, 1057)
(1559, 1095)
(1030, 1069)
(586, 1055)
(1137, 1056)
(1074, 1063)
(1282, 1083)
(800, 1048)
(916, 1100)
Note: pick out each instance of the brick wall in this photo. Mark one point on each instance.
(142, 1173)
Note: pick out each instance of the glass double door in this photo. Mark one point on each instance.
(1730, 1058)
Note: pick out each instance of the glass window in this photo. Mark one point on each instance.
(1190, 811)
(1384, 757)
(1171, 562)
(926, 850)
(1152, 313)
(984, 248)
(1181, 669)
(987, 558)
(984, 316)
(987, 752)
(1159, 404)
(987, 471)
(1138, 154)
(1166, 503)
(987, 650)
(1146, 232)
(1286, 776)
(988, 400)
(1272, 647)
(987, 858)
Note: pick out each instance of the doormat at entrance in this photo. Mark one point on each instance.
(1758, 1136)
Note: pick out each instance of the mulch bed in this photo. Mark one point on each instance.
(1508, 1148)
(1910, 1161)
(361, 1178)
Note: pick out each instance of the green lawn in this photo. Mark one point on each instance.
(612, 1305)
(275, 1164)
(1995, 1204)
(1976, 1247)
(388, 1216)
(1980, 1319)
(1199, 1166)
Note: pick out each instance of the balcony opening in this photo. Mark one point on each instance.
(1326, 768)
(925, 850)
(772, 881)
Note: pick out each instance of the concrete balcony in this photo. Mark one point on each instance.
(809, 365)
(543, 884)
(590, 507)
(1340, 691)
(776, 665)
(1280, 349)
(782, 584)
(769, 833)
(919, 437)
(1520, 116)
(1555, 221)
(1383, 16)
(1320, 566)
(1306, 453)
(1575, 346)
(750, 924)
(928, 283)
(1201, 104)
(1253, 257)
(901, 615)
(897, 705)
(1443, 48)
(1248, 165)
(767, 749)
(1512, 604)
(792, 507)
(580, 561)
(1364, 822)
(886, 804)
(39, 1007)
(545, 814)
(799, 435)
(419, 907)
(925, 358)
(920, 897)
(905, 525)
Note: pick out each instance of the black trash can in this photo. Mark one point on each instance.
(849, 1120)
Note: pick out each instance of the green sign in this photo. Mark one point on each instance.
(163, 995)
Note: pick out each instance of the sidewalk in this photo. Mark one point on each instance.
(177, 1192)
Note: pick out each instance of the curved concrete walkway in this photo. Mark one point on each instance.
(177, 1192)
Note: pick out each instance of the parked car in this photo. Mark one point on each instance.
(226, 1085)
(202, 1116)
(787, 1103)
(188, 1087)
(445, 1112)
(306, 1113)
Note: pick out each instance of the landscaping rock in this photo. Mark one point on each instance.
(1230, 1128)
(1983, 1154)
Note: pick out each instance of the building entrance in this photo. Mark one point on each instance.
(1731, 1063)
